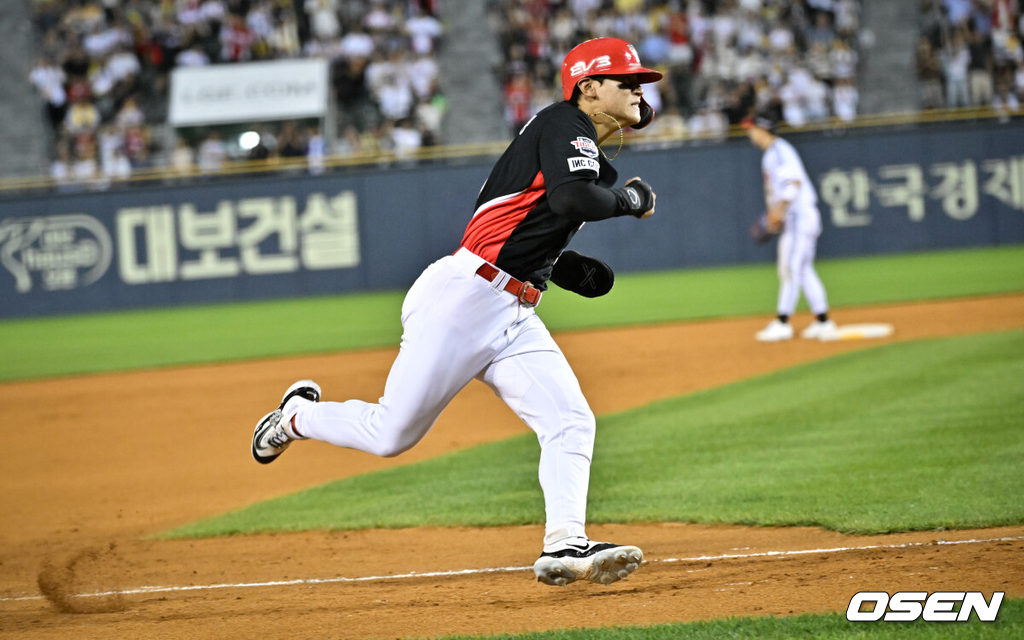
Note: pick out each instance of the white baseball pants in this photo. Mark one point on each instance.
(457, 326)
(796, 273)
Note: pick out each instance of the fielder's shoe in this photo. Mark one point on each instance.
(274, 431)
(581, 559)
(776, 331)
(819, 330)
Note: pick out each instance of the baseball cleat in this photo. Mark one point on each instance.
(776, 331)
(272, 435)
(582, 559)
(820, 330)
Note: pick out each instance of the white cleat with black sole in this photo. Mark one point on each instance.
(272, 435)
(820, 331)
(582, 559)
(776, 331)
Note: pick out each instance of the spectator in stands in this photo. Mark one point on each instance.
(929, 75)
(394, 94)
(518, 93)
(1005, 100)
(430, 114)
(356, 43)
(290, 144)
(60, 168)
(844, 100)
(84, 168)
(236, 40)
(49, 79)
(76, 64)
(821, 32)
(83, 116)
(956, 60)
(183, 157)
(350, 143)
(1018, 80)
(406, 138)
(211, 154)
(423, 30)
(194, 56)
(136, 146)
(980, 67)
(323, 18)
(284, 39)
(316, 150)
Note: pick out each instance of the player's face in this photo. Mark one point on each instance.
(759, 137)
(620, 96)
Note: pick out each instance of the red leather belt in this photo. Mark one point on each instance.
(528, 295)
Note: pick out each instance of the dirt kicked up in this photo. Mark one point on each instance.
(94, 465)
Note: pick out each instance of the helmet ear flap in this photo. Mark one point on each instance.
(646, 115)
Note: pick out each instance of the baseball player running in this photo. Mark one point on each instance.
(472, 314)
(792, 209)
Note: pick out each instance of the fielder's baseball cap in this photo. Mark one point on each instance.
(603, 57)
(761, 122)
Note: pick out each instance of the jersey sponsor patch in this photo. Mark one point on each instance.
(586, 146)
(584, 164)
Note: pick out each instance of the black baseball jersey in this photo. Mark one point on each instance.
(513, 226)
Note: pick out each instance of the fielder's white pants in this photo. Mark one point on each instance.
(796, 273)
(457, 326)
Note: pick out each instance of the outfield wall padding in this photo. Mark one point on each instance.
(375, 229)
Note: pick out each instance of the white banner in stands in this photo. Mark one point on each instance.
(249, 92)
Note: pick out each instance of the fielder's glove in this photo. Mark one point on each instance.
(760, 231)
(582, 274)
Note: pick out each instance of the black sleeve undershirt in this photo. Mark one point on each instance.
(584, 201)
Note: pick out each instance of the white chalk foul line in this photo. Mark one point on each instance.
(468, 572)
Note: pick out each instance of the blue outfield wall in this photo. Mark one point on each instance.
(267, 237)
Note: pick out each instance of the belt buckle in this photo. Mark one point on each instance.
(528, 286)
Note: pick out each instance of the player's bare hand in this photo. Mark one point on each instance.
(644, 209)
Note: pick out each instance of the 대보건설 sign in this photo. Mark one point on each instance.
(249, 92)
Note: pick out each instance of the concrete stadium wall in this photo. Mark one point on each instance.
(260, 238)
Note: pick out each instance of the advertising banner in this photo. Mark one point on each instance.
(249, 92)
(376, 229)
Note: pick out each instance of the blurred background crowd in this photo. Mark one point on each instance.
(103, 71)
(723, 59)
(104, 66)
(969, 54)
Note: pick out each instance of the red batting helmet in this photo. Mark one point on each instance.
(603, 57)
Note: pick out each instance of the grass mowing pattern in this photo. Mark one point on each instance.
(909, 436)
(137, 339)
(1009, 623)
(751, 289)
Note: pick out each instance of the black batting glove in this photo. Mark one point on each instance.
(634, 199)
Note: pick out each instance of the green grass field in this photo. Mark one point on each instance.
(906, 436)
(911, 436)
(42, 347)
(1008, 624)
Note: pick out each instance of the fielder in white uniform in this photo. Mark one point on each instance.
(471, 314)
(792, 209)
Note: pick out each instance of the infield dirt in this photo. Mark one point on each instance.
(93, 465)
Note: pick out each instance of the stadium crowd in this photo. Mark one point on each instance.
(104, 68)
(970, 54)
(722, 59)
